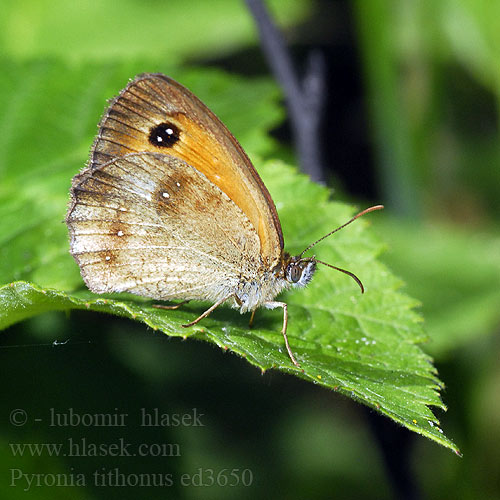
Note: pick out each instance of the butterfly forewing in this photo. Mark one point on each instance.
(199, 138)
(153, 225)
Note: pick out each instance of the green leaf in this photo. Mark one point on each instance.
(362, 346)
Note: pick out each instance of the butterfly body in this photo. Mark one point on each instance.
(152, 225)
(170, 207)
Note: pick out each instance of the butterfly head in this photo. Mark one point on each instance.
(298, 270)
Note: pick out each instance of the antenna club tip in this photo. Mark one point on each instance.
(373, 208)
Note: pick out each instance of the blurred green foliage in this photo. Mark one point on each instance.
(432, 81)
(129, 29)
(431, 76)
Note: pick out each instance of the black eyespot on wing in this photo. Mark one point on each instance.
(164, 135)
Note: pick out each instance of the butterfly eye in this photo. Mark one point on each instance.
(295, 273)
(300, 272)
(164, 135)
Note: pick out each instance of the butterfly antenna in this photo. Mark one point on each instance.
(365, 211)
(345, 271)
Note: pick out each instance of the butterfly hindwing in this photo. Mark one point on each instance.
(153, 225)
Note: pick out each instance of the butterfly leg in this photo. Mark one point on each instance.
(250, 323)
(170, 307)
(207, 312)
(274, 305)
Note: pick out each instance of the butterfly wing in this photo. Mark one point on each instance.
(152, 225)
(156, 114)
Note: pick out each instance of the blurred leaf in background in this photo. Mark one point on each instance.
(129, 29)
(431, 75)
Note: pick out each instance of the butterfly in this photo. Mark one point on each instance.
(170, 207)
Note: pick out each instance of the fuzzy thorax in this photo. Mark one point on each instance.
(295, 272)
